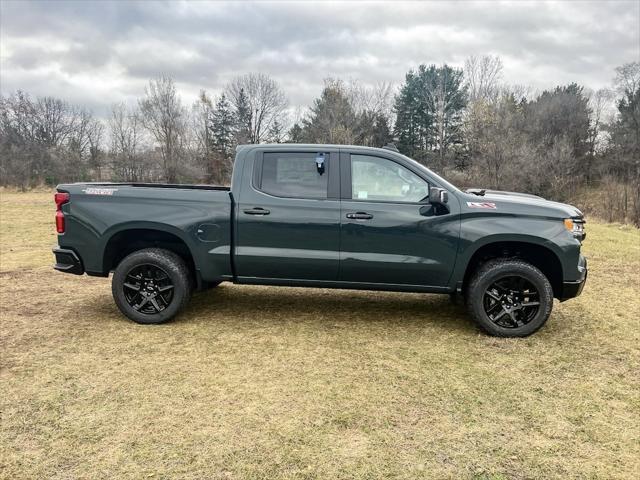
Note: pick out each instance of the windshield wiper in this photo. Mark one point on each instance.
(476, 191)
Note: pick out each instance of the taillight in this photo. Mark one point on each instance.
(61, 198)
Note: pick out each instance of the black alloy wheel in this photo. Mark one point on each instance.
(152, 285)
(511, 302)
(148, 289)
(509, 297)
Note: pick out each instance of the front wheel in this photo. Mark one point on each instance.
(151, 286)
(509, 298)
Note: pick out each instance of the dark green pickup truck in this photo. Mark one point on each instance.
(326, 216)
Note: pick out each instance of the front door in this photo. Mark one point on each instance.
(288, 218)
(390, 233)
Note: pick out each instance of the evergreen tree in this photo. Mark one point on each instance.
(295, 134)
(243, 118)
(429, 110)
(276, 132)
(625, 146)
(561, 113)
(381, 131)
(412, 116)
(625, 132)
(331, 118)
(222, 125)
(373, 129)
(405, 129)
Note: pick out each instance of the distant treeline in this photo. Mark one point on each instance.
(464, 123)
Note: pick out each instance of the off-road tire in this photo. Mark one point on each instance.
(170, 263)
(492, 271)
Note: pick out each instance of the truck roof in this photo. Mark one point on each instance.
(312, 146)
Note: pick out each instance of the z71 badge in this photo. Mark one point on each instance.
(489, 205)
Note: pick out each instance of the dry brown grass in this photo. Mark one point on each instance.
(256, 382)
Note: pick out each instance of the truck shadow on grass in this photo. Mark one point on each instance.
(235, 303)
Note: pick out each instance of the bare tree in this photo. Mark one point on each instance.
(520, 93)
(47, 139)
(19, 149)
(125, 132)
(95, 134)
(75, 161)
(600, 103)
(376, 99)
(483, 75)
(164, 116)
(265, 99)
(495, 140)
(627, 77)
(203, 139)
(55, 121)
(446, 98)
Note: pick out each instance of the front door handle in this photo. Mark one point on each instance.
(359, 216)
(256, 211)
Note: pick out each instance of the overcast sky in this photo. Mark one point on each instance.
(97, 53)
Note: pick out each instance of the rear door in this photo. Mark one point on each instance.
(390, 233)
(288, 216)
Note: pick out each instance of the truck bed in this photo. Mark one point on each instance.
(104, 220)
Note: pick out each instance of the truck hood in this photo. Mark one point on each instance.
(515, 199)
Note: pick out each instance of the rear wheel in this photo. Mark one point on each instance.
(151, 286)
(509, 298)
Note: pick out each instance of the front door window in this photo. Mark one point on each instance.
(379, 179)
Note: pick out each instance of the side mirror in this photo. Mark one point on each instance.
(438, 196)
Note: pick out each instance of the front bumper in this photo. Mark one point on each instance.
(67, 261)
(574, 288)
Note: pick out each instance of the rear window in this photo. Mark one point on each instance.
(299, 175)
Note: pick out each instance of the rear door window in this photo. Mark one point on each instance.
(297, 175)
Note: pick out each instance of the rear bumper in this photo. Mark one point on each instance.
(573, 289)
(67, 261)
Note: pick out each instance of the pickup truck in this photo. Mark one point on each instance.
(329, 216)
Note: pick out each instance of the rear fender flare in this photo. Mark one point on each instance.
(144, 225)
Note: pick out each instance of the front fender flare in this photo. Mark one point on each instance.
(468, 249)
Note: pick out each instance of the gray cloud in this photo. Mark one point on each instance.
(96, 53)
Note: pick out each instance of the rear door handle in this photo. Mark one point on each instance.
(359, 216)
(256, 211)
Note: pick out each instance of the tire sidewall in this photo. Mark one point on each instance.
(496, 270)
(171, 265)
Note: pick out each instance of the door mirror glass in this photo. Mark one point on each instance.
(380, 179)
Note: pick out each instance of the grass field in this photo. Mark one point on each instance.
(259, 382)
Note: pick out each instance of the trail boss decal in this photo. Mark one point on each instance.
(99, 191)
(489, 205)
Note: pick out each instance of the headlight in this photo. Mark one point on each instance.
(575, 226)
